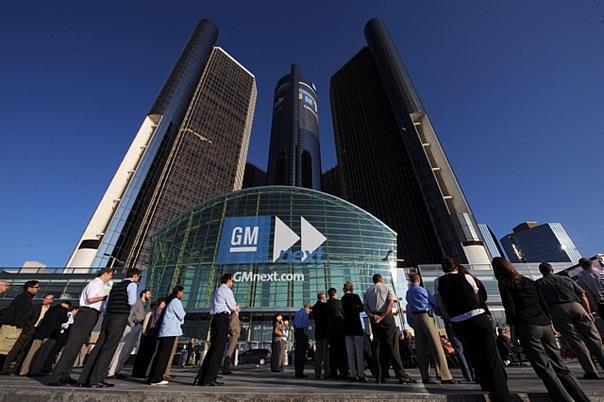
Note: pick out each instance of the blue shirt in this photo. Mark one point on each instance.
(419, 299)
(174, 317)
(223, 300)
(301, 321)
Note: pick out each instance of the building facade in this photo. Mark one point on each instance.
(294, 155)
(531, 242)
(490, 241)
(283, 244)
(391, 161)
(253, 176)
(192, 146)
(330, 182)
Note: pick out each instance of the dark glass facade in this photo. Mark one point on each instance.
(189, 252)
(191, 147)
(538, 243)
(390, 160)
(253, 176)
(330, 182)
(294, 155)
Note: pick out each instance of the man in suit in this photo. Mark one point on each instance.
(44, 339)
(19, 350)
(322, 343)
(335, 335)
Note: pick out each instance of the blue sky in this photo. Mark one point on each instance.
(514, 91)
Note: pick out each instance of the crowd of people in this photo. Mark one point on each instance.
(47, 339)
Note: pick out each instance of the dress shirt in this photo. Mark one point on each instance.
(301, 321)
(174, 317)
(376, 296)
(223, 300)
(95, 288)
(419, 299)
(468, 314)
(558, 289)
(592, 280)
(43, 310)
(132, 290)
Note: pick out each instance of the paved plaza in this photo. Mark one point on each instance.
(250, 383)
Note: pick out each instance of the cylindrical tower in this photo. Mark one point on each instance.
(295, 155)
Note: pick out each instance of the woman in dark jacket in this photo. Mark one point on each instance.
(278, 343)
(528, 315)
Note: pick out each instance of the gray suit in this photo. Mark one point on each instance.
(129, 338)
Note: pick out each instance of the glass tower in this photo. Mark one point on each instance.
(391, 161)
(294, 156)
(531, 242)
(191, 146)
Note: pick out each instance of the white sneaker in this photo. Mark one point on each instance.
(162, 382)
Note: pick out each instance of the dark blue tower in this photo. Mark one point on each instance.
(295, 156)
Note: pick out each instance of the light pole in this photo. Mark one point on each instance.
(392, 267)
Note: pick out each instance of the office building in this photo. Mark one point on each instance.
(191, 146)
(294, 155)
(490, 241)
(531, 242)
(253, 176)
(330, 182)
(391, 161)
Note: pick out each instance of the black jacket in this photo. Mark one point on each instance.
(319, 318)
(335, 317)
(50, 327)
(523, 303)
(19, 311)
(352, 305)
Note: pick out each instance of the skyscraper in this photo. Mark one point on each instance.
(490, 241)
(531, 242)
(191, 146)
(295, 156)
(391, 161)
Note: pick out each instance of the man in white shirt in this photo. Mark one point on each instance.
(222, 305)
(91, 300)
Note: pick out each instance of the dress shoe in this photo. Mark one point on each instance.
(99, 385)
(120, 376)
(107, 384)
(451, 381)
(71, 381)
(58, 383)
(406, 380)
(301, 376)
(228, 372)
(591, 376)
(215, 383)
(428, 381)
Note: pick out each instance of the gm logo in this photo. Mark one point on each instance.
(246, 240)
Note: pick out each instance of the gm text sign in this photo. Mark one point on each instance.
(246, 240)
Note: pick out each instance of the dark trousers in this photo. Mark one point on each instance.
(301, 342)
(84, 322)
(219, 328)
(165, 344)
(601, 311)
(479, 340)
(18, 351)
(146, 349)
(37, 363)
(385, 348)
(56, 348)
(97, 365)
(337, 354)
(541, 349)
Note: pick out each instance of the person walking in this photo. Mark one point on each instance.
(420, 314)
(378, 302)
(122, 297)
(458, 301)
(322, 343)
(354, 336)
(223, 304)
(147, 346)
(301, 332)
(278, 344)
(91, 300)
(572, 317)
(44, 339)
(234, 332)
(169, 330)
(14, 318)
(130, 337)
(526, 311)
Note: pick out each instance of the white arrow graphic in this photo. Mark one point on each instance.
(311, 238)
(284, 238)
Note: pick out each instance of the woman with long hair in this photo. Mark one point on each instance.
(169, 329)
(527, 313)
(146, 348)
